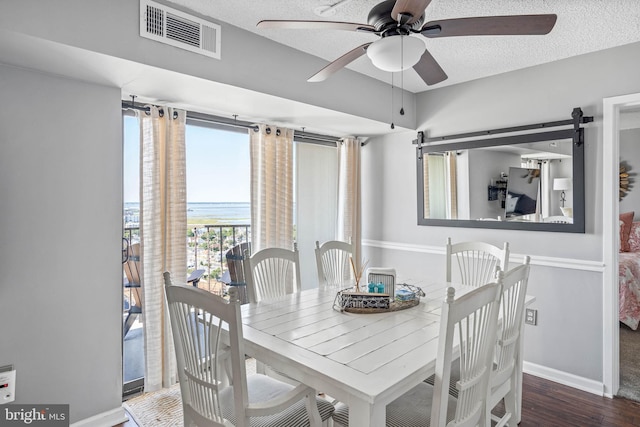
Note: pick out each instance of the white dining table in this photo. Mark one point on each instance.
(364, 360)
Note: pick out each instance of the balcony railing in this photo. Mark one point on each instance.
(206, 248)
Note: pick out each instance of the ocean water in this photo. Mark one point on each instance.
(227, 212)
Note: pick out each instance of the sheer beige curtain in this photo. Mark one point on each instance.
(546, 187)
(440, 185)
(453, 185)
(425, 179)
(271, 152)
(349, 207)
(163, 227)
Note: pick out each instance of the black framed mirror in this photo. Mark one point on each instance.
(523, 181)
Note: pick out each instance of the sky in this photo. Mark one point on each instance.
(217, 164)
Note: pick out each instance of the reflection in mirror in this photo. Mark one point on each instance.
(506, 184)
(440, 199)
(520, 181)
(523, 189)
(509, 182)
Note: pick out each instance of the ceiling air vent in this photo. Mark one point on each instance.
(175, 28)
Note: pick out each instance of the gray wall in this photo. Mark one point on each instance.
(111, 27)
(569, 296)
(60, 222)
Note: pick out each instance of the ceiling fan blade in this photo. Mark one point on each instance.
(339, 63)
(315, 25)
(415, 8)
(491, 26)
(429, 70)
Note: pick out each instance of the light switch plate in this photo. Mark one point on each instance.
(8, 384)
(531, 316)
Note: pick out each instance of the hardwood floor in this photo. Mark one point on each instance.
(549, 404)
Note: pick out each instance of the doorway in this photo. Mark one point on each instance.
(612, 107)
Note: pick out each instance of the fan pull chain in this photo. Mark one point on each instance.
(402, 75)
(392, 125)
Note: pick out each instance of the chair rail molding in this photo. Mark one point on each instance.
(556, 262)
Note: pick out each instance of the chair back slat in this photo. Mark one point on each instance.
(209, 344)
(469, 321)
(333, 263)
(198, 319)
(476, 262)
(272, 272)
(512, 306)
(514, 290)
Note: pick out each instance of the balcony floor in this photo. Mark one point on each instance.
(133, 353)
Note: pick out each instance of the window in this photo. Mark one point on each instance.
(218, 209)
(218, 200)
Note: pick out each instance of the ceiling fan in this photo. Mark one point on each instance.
(396, 21)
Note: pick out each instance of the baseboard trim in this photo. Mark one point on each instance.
(564, 378)
(556, 262)
(104, 419)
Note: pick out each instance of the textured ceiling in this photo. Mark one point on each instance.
(583, 26)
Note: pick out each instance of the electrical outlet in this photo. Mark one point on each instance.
(7, 384)
(531, 316)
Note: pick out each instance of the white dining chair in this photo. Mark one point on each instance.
(198, 319)
(333, 261)
(476, 262)
(506, 373)
(473, 317)
(272, 272)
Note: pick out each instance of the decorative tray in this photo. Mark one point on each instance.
(352, 301)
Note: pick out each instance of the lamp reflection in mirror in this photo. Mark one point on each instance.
(562, 184)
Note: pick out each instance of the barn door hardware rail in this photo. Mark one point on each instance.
(576, 133)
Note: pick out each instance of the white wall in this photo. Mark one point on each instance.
(566, 276)
(60, 222)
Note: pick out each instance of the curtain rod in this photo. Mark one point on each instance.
(223, 121)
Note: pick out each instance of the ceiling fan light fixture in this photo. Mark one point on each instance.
(387, 53)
